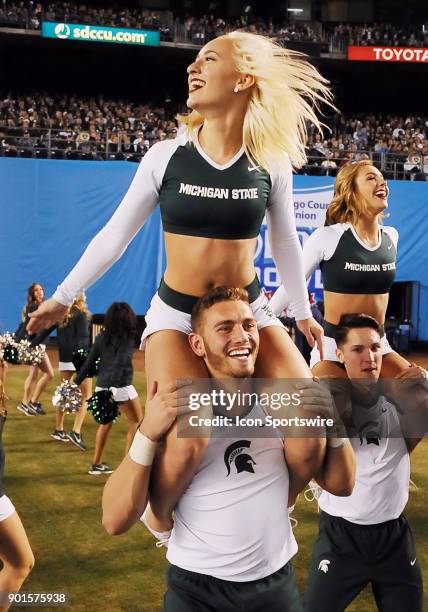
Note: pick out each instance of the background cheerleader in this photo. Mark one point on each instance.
(357, 256)
(72, 335)
(34, 388)
(115, 346)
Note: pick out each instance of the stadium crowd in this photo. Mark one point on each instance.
(198, 30)
(72, 127)
(29, 15)
(400, 144)
(377, 34)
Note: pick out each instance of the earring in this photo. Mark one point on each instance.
(235, 89)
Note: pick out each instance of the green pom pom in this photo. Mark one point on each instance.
(11, 354)
(79, 358)
(103, 407)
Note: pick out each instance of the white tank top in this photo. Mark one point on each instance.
(232, 522)
(382, 469)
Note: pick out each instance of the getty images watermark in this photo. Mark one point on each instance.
(249, 409)
(260, 406)
(361, 409)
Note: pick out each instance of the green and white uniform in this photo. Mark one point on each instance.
(364, 537)
(199, 197)
(232, 542)
(348, 266)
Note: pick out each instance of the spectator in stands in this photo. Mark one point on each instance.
(328, 165)
(120, 129)
(412, 166)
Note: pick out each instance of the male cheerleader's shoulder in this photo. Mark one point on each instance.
(347, 264)
(199, 197)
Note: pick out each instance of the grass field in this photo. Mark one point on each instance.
(59, 504)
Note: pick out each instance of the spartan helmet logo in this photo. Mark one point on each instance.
(324, 566)
(370, 431)
(235, 454)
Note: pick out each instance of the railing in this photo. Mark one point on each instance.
(70, 144)
(393, 165)
(131, 146)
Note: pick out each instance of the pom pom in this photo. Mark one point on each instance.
(67, 397)
(103, 407)
(20, 352)
(79, 358)
(9, 349)
(28, 354)
(10, 354)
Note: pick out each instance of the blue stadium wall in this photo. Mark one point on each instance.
(49, 210)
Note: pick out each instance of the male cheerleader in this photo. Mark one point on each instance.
(232, 543)
(365, 538)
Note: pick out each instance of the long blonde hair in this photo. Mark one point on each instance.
(345, 205)
(79, 305)
(287, 92)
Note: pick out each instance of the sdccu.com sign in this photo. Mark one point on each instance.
(92, 33)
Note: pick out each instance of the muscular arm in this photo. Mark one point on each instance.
(408, 391)
(302, 465)
(337, 473)
(125, 494)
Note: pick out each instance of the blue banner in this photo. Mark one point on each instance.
(49, 211)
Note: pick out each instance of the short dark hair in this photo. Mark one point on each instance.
(354, 321)
(214, 296)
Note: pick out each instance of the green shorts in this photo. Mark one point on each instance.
(193, 592)
(347, 557)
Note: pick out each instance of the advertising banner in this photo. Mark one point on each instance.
(310, 204)
(50, 210)
(93, 33)
(387, 54)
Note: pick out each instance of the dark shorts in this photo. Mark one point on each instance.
(347, 557)
(193, 592)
